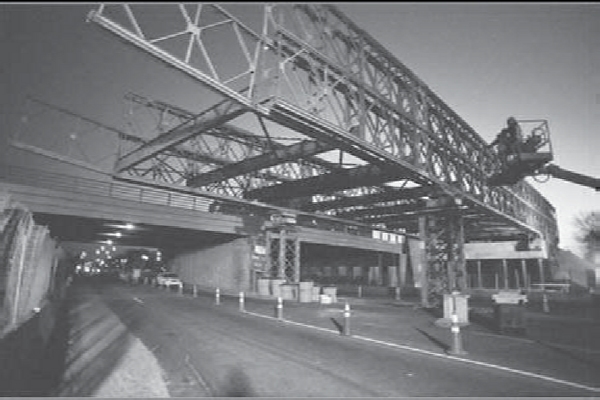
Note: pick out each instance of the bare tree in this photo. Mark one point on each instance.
(588, 227)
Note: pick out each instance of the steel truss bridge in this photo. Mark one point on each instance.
(331, 123)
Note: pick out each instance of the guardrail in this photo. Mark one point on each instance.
(172, 198)
(106, 188)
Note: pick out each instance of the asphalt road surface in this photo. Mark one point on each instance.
(208, 350)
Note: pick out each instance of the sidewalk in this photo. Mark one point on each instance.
(403, 323)
(103, 358)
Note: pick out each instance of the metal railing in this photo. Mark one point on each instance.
(105, 188)
(178, 198)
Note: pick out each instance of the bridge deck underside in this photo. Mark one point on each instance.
(75, 215)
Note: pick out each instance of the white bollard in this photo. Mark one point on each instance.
(346, 328)
(545, 304)
(457, 347)
(217, 296)
(279, 308)
(242, 302)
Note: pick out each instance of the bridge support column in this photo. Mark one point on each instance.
(479, 277)
(443, 235)
(283, 248)
(524, 273)
(505, 273)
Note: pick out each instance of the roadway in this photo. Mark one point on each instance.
(207, 350)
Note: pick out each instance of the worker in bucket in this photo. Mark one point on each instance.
(508, 141)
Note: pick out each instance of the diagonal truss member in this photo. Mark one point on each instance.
(215, 116)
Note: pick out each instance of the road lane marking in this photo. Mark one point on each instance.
(441, 355)
(567, 347)
(199, 378)
(484, 364)
(138, 300)
(292, 322)
(542, 342)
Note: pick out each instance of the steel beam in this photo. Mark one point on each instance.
(375, 214)
(367, 175)
(390, 194)
(280, 155)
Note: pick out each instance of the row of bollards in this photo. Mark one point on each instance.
(456, 347)
(345, 331)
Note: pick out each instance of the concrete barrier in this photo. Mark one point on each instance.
(331, 291)
(263, 286)
(305, 292)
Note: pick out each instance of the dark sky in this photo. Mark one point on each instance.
(487, 61)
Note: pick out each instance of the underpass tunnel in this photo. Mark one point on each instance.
(326, 264)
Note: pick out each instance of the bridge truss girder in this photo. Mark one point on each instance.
(309, 69)
(223, 148)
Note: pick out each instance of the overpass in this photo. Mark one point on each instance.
(183, 221)
(315, 118)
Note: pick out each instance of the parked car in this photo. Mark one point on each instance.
(168, 279)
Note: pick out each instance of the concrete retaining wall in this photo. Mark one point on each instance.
(225, 265)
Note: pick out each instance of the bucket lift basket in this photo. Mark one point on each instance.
(532, 153)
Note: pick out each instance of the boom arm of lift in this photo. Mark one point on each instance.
(531, 156)
(570, 176)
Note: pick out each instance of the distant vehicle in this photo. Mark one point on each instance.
(168, 279)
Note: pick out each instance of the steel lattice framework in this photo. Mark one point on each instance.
(309, 71)
(446, 272)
